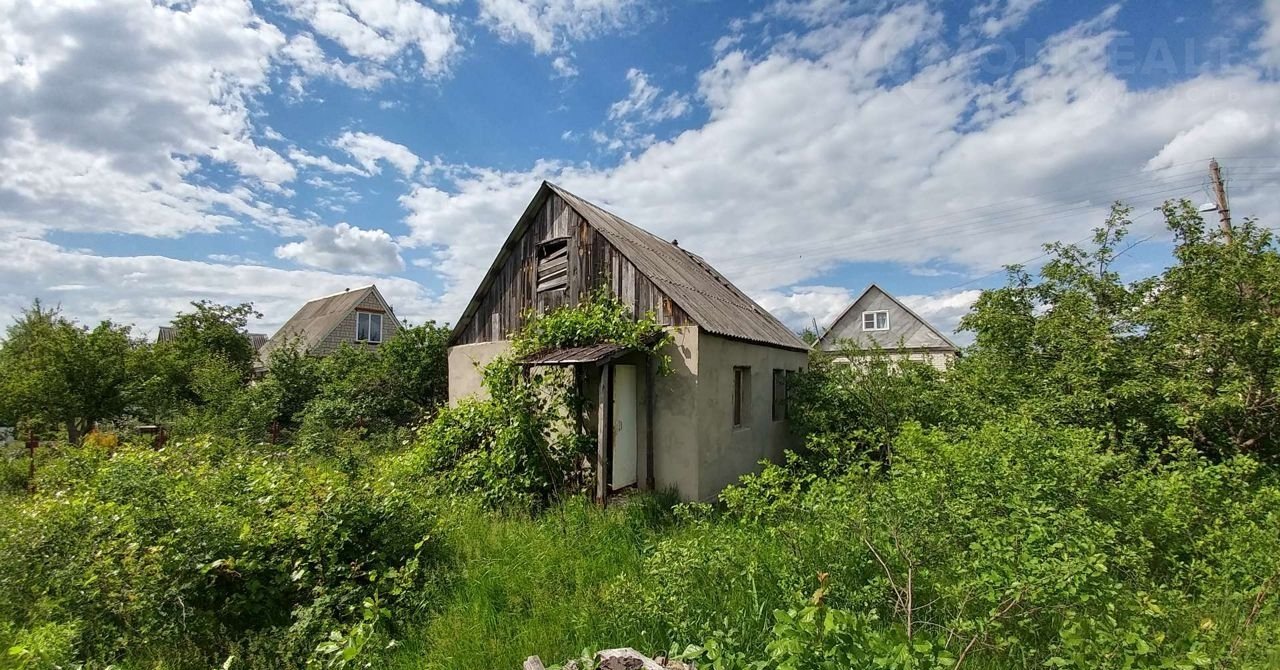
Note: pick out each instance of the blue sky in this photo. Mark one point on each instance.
(154, 154)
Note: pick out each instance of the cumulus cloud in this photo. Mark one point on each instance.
(382, 31)
(807, 306)
(101, 132)
(645, 105)
(549, 25)
(944, 310)
(345, 248)
(148, 290)
(866, 141)
(368, 150)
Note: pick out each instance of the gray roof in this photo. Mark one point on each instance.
(167, 333)
(711, 300)
(310, 325)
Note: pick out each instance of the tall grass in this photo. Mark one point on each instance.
(535, 585)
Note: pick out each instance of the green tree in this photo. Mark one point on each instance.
(419, 357)
(1213, 335)
(211, 329)
(54, 372)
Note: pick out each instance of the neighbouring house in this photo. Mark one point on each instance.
(877, 320)
(166, 333)
(360, 317)
(719, 413)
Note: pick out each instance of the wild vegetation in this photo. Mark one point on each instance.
(1092, 485)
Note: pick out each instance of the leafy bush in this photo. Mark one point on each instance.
(207, 550)
(1021, 542)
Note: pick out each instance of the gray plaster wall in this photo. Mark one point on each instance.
(675, 418)
(465, 362)
(726, 452)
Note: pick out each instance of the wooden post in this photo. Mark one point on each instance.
(1220, 193)
(604, 433)
(32, 443)
(650, 378)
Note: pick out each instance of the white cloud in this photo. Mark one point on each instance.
(305, 52)
(944, 310)
(646, 102)
(996, 17)
(109, 109)
(149, 290)
(383, 31)
(305, 158)
(549, 25)
(844, 144)
(368, 149)
(345, 248)
(804, 306)
(564, 67)
(630, 118)
(1269, 39)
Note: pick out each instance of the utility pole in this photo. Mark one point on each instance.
(1220, 194)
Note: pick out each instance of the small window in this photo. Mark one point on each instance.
(368, 327)
(553, 265)
(779, 394)
(877, 320)
(741, 396)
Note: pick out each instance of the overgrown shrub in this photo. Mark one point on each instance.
(1021, 543)
(207, 550)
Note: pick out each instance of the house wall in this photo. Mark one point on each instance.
(725, 452)
(345, 331)
(939, 359)
(592, 262)
(465, 362)
(675, 417)
(905, 330)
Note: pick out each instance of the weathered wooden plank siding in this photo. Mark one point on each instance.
(593, 262)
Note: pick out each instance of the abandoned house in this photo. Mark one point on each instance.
(877, 320)
(360, 317)
(719, 413)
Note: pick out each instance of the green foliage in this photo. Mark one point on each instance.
(534, 584)
(1193, 353)
(56, 373)
(861, 405)
(1019, 543)
(204, 549)
(523, 444)
(600, 317)
(419, 356)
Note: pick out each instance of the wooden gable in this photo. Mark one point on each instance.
(553, 258)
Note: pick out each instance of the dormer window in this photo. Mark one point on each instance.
(368, 327)
(553, 265)
(877, 320)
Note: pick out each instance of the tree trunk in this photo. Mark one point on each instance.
(73, 432)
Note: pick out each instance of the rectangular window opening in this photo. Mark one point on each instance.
(876, 320)
(779, 394)
(553, 265)
(741, 396)
(368, 327)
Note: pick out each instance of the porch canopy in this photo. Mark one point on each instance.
(604, 355)
(597, 354)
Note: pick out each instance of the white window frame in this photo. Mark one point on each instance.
(368, 318)
(875, 318)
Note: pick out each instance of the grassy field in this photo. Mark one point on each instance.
(539, 585)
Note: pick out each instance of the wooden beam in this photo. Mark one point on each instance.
(650, 379)
(604, 432)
